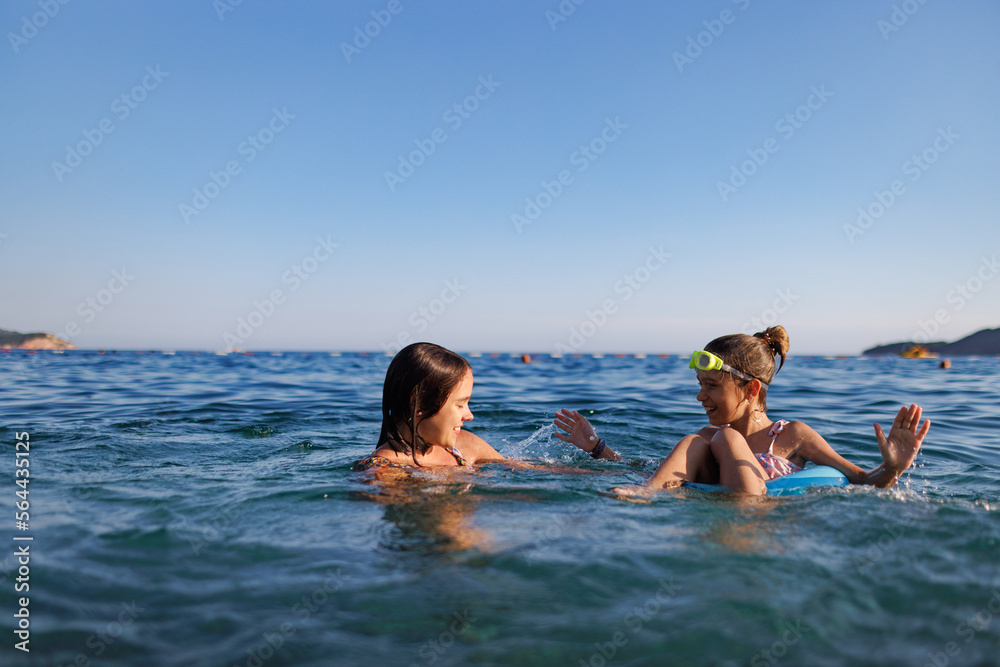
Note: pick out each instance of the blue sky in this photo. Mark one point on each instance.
(639, 177)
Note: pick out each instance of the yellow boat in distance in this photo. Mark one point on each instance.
(918, 352)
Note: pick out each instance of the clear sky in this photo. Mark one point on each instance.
(498, 176)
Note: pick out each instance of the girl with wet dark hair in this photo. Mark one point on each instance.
(425, 402)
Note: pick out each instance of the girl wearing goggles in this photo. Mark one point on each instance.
(742, 448)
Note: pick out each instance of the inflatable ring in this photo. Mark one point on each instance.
(790, 485)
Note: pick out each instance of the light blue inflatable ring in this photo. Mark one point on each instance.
(791, 485)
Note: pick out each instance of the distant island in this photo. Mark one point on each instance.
(984, 343)
(11, 340)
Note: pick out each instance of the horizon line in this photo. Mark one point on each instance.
(382, 353)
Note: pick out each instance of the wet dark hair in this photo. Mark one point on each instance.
(753, 355)
(419, 379)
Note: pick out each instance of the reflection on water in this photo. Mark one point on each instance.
(430, 511)
(746, 525)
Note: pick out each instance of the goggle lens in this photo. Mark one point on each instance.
(704, 361)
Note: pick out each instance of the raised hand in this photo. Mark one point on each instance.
(900, 448)
(579, 432)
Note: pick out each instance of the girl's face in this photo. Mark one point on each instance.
(443, 426)
(720, 397)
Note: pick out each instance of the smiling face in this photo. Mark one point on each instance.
(721, 397)
(443, 426)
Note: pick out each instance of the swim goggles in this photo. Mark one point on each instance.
(706, 361)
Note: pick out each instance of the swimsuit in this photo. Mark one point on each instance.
(774, 465)
(374, 461)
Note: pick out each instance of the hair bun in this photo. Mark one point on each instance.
(776, 339)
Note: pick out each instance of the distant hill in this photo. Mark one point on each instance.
(981, 343)
(11, 340)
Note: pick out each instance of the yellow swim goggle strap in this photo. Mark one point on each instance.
(706, 361)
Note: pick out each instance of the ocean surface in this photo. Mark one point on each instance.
(196, 509)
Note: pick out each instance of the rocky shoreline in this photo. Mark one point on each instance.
(982, 343)
(12, 340)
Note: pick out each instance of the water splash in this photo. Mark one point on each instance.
(542, 444)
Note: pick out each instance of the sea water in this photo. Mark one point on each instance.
(195, 509)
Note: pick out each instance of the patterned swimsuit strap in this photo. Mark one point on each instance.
(375, 462)
(776, 428)
(458, 455)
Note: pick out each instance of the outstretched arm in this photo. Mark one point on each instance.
(580, 433)
(476, 450)
(899, 450)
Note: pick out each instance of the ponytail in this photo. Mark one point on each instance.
(776, 340)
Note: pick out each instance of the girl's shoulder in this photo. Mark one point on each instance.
(475, 448)
(797, 438)
(795, 428)
(383, 457)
